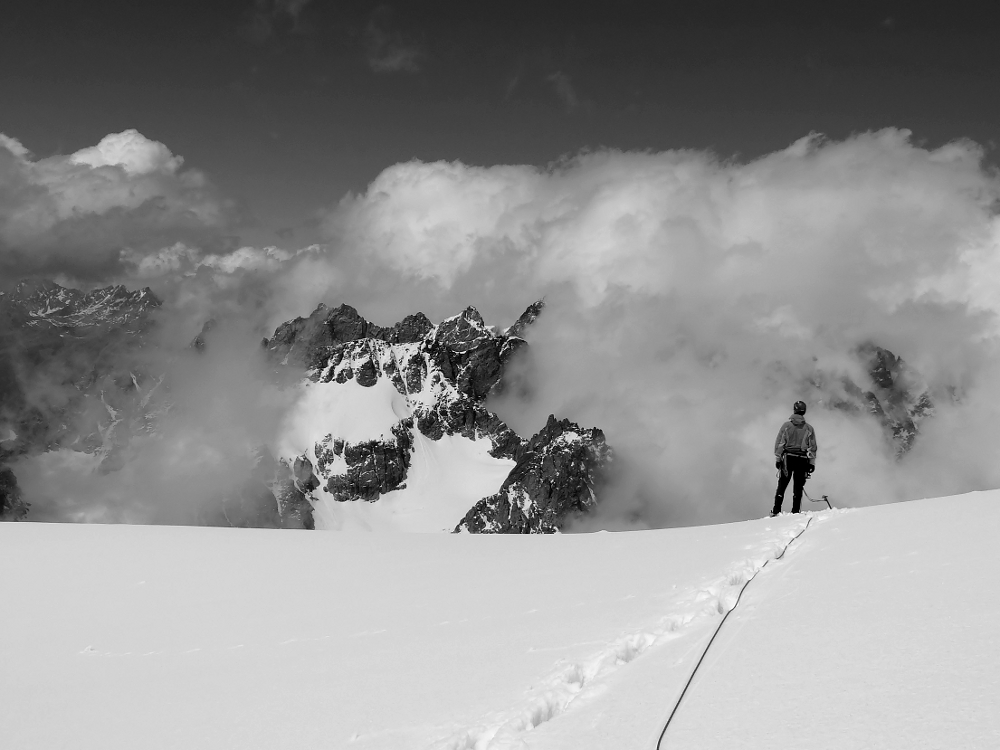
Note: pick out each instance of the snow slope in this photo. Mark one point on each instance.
(447, 476)
(876, 629)
(347, 410)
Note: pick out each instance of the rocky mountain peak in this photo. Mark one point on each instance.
(891, 391)
(441, 376)
(558, 476)
(42, 303)
(27, 288)
(463, 331)
(527, 318)
(307, 341)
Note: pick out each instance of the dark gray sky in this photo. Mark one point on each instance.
(288, 104)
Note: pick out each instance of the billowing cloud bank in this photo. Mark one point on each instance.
(80, 215)
(690, 300)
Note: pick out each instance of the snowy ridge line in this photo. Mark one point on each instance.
(502, 730)
(680, 698)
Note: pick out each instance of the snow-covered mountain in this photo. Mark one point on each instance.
(45, 304)
(392, 431)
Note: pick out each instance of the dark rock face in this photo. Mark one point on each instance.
(444, 374)
(45, 304)
(466, 355)
(12, 506)
(462, 355)
(895, 395)
(374, 467)
(558, 476)
(527, 318)
(309, 342)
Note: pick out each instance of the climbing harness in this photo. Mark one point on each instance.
(722, 622)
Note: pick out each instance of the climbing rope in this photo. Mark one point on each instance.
(722, 622)
(822, 499)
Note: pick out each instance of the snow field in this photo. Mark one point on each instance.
(876, 629)
(244, 638)
(878, 632)
(585, 678)
(446, 478)
(349, 411)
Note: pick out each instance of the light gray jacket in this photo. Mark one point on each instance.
(796, 437)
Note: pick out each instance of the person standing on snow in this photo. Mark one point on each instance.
(794, 456)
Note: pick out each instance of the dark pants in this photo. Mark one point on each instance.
(795, 468)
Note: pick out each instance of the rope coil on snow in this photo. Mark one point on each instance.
(722, 622)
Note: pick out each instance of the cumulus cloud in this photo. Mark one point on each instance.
(131, 151)
(249, 259)
(14, 146)
(179, 259)
(167, 261)
(692, 300)
(75, 214)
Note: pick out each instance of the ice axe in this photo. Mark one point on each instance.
(822, 499)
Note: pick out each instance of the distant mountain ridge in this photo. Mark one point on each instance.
(45, 303)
